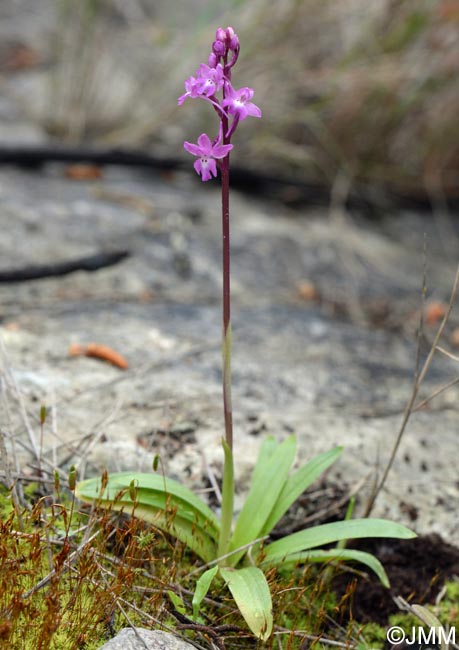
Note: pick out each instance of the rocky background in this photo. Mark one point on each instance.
(326, 303)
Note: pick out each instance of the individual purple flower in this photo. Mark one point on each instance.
(209, 80)
(239, 104)
(192, 90)
(207, 152)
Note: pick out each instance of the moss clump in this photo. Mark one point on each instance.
(69, 576)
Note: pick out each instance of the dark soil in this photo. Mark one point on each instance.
(417, 570)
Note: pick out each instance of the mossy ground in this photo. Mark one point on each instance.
(71, 577)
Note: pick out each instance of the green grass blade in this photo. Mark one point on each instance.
(201, 589)
(297, 483)
(335, 554)
(250, 591)
(334, 532)
(262, 497)
(227, 501)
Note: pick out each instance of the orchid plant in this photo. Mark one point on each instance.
(238, 552)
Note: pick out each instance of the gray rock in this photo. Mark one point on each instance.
(140, 639)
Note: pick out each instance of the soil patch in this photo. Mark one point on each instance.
(417, 570)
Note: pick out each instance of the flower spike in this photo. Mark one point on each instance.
(232, 107)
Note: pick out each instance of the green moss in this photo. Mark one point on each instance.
(372, 635)
(6, 506)
(129, 562)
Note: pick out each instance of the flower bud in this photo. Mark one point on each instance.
(220, 35)
(229, 33)
(212, 60)
(234, 43)
(219, 48)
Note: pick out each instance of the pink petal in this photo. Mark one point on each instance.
(220, 151)
(205, 144)
(247, 92)
(253, 110)
(198, 166)
(194, 149)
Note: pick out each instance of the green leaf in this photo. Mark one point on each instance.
(250, 590)
(267, 449)
(227, 501)
(177, 602)
(330, 533)
(262, 496)
(331, 555)
(297, 483)
(172, 524)
(177, 512)
(202, 587)
(156, 491)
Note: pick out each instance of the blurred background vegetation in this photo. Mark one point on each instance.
(367, 90)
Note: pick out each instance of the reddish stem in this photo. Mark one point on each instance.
(226, 348)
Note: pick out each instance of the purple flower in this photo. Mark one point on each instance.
(239, 104)
(192, 90)
(207, 82)
(209, 79)
(207, 152)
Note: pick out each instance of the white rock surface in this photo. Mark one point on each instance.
(141, 639)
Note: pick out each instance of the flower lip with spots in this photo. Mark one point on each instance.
(210, 79)
(207, 153)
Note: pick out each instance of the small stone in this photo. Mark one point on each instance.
(140, 639)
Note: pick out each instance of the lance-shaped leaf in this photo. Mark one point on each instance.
(250, 591)
(201, 589)
(297, 483)
(267, 449)
(334, 532)
(262, 497)
(332, 555)
(176, 511)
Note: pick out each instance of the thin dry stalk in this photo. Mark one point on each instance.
(420, 376)
(11, 379)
